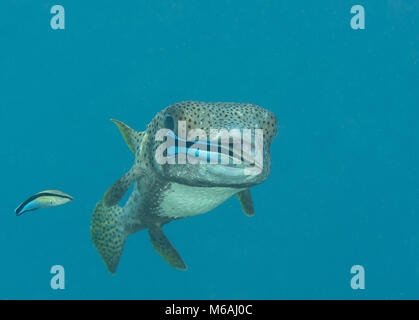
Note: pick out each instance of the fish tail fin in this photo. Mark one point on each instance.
(164, 248)
(108, 234)
(132, 138)
(107, 228)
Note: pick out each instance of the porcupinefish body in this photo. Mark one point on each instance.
(168, 190)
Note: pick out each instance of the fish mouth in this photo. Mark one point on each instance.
(229, 158)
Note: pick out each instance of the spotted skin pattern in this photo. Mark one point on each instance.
(163, 192)
(107, 233)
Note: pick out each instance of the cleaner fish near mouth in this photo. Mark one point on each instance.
(166, 189)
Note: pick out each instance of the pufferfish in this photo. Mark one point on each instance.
(164, 192)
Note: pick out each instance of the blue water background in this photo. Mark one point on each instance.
(344, 183)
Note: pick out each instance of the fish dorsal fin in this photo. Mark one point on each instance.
(246, 202)
(132, 138)
(55, 192)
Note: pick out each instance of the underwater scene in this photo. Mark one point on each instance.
(222, 149)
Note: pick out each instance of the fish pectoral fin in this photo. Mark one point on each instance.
(246, 202)
(108, 234)
(164, 248)
(117, 191)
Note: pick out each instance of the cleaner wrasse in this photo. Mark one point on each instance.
(43, 199)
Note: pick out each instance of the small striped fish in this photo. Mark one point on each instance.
(43, 199)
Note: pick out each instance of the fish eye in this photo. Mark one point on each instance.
(169, 122)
